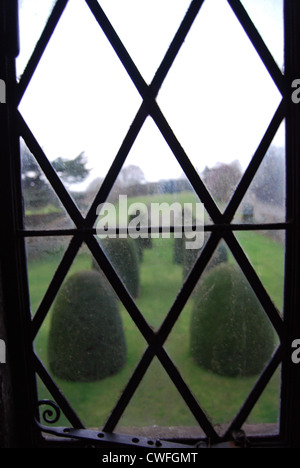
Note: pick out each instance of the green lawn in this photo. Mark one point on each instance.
(157, 401)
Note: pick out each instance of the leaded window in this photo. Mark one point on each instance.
(129, 91)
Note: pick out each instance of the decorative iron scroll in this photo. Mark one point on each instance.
(50, 415)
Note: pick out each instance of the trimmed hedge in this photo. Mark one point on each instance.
(86, 337)
(230, 333)
(125, 258)
(179, 245)
(190, 256)
(178, 251)
(141, 242)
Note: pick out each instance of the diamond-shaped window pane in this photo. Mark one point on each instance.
(157, 392)
(146, 29)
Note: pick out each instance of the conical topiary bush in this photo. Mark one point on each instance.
(86, 337)
(230, 333)
(190, 256)
(124, 257)
(143, 241)
(178, 252)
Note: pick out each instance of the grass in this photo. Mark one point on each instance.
(157, 401)
(267, 257)
(43, 210)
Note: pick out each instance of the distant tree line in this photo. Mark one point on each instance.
(37, 192)
(267, 186)
(221, 180)
(269, 182)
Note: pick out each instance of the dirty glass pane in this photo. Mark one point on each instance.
(266, 410)
(88, 342)
(226, 341)
(168, 408)
(42, 208)
(266, 252)
(44, 255)
(265, 200)
(148, 203)
(218, 99)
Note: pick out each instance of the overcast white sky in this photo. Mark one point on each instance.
(218, 97)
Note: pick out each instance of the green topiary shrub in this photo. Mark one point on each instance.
(146, 242)
(190, 256)
(230, 333)
(140, 248)
(86, 337)
(142, 242)
(179, 244)
(124, 257)
(178, 251)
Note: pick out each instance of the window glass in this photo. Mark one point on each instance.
(218, 101)
(168, 407)
(88, 343)
(226, 339)
(41, 206)
(44, 255)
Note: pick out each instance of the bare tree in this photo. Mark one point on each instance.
(222, 179)
(131, 175)
(269, 182)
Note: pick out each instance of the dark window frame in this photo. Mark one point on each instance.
(18, 384)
